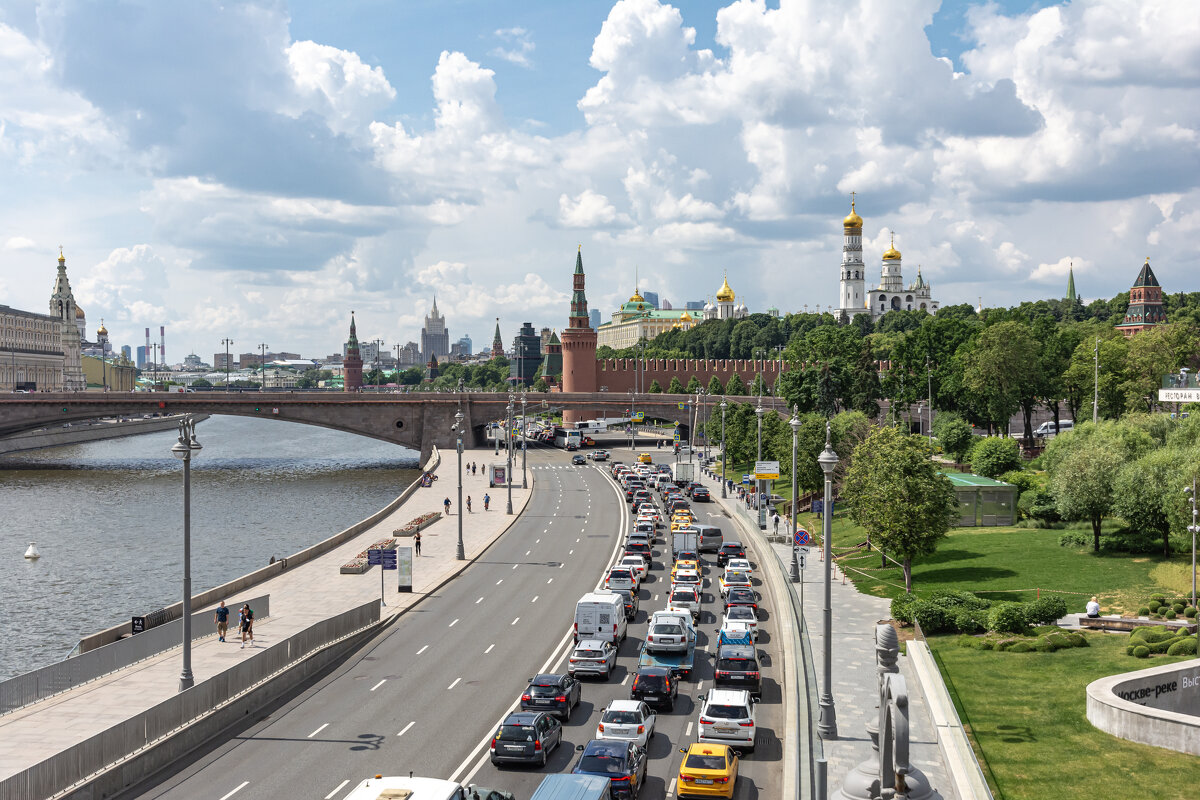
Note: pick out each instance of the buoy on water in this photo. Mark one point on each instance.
(32, 553)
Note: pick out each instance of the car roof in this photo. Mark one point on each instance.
(736, 651)
(659, 672)
(606, 747)
(591, 644)
(547, 679)
(521, 718)
(728, 697)
(625, 705)
(732, 543)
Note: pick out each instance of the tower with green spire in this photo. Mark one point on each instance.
(497, 342)
(1072, 297)
(578, 346)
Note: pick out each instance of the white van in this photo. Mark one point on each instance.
(382, 787)
(601, 615)
(1047, 428)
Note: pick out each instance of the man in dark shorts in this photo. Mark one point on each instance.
(246, 620)
(221, 617)
(417, 542)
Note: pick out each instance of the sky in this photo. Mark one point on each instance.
(257, 170)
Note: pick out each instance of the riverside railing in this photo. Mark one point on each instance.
(76, 670)
(78, 763)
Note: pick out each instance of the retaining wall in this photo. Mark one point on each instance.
(1159, 706)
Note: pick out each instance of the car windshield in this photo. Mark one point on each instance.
(741, 594)
(622, 717)
(516, 733)
(726, 712)
(697, 761)
(622, 573)
(669, 630)
(735, 664)
(602, 764)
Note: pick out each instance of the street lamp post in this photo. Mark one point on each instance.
(929, 411)
(460, 553)
(827, 719)
(795, 423)
(632, 414)
(508, 435)
(762, 507)
(1194, 529)
(724, 458)
(1096, 385)
(227, 342)
(182, 450)
(262, 365)
(524, 431)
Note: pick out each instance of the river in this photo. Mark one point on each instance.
(108, 520)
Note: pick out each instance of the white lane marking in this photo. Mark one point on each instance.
(243, 785)
(688, 732)
(571, 552)
(527, 552)
(452, 624)
(340, 786)
(535, 598)
(451, 686)
(500, 581)
(538, 541)
(515, 621)
(625, 680)
(545, 530)
(490, 646)
(576, 541)
(699, 687)
(381, 683)
(406, 727)
(550, 581)
(423, 649)
(480, 600)
(318, 730)
(671, 788)
(516, 565)
(655, 597)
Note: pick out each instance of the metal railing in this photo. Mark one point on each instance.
(77, 763)
(62, 676)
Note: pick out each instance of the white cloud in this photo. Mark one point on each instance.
(337, 84)
(1058, 271)
(586, 210)
(517, 46)
(19, 243)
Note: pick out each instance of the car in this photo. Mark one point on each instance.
(681, 524)
(525, 737)
(708, 770)
(599, 455)
(700, 494)
(740, 564)
(688, 578)
(632, 602)
(691, 488)
(741, 614)
(572, 446)
(727, 717)
(637, 565)
(593, 657)
(640, 497)
(645, 458)
(578, 460)
(641, 548)
(685, 597)
(666, 636)
(627, 721)
(656, 687)
(623, 763)
(737, 668)
(731, 549)
(688, 556)
(680, 505)
(735, 633)
(741, 596)
(732, 577)
(685, 565)
(621, 578)
(553, 693)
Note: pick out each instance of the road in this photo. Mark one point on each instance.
(426, 694)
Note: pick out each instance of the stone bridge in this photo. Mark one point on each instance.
(420, 420)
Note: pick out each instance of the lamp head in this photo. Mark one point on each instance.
(795, 420)
(181, 449)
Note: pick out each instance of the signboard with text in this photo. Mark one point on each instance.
(766, 470)
(404, 562)
(1179, 395)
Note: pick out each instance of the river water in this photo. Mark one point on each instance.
(108, 520)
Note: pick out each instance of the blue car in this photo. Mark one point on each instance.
(623, 763)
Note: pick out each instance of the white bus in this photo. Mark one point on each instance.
(568, 439)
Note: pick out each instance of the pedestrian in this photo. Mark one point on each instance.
(417, 542)
(246, 624)
(468, 504)
(486, 500)
(446, 503)
(1093, 608)
(775, 519)
(221, 617)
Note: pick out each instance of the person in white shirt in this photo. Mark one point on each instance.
(1093, 607)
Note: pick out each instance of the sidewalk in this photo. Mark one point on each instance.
(299, 597)
(854, 677)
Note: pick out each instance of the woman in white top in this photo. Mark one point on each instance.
(1093, 607)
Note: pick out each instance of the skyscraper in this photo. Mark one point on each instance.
(435, 339)
(651, 298)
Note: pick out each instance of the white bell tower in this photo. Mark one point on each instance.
(853, 296)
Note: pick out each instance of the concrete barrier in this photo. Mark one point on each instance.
(223, 591)
(1159, 706)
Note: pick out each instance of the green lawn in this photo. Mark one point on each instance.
(1026, 714)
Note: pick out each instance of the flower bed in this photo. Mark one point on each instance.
(420, 523)
(358, 565)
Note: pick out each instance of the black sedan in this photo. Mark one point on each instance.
(741, 596)
(730, 550)
(700, 494)
(623, 763)
(578, 460)
(554, 694)
(656, 687)
(632, 601)
(526, 737)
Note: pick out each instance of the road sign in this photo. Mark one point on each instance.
(639, 416)
(374, 557)
(801, 538)
(138, 625)
(766, 470)
(800, 559)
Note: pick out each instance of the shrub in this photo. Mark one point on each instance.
(968, 621)
(1144, 611)
(1045, 610)
(1019, 647)
(986, 644)
(902, 608)
(1007, 618)
(1189, 612)
(1045, 507)
(1177, 607)
(1044, 645)
(995, 455)
(953, 433)
(932, 617)
(1024, 481)
(1171, 614)
(950, 599)
(1074, 539)
(1155, 606)
(1183, 647)
(1129, 650)
(1141, 651)
(1161, 598)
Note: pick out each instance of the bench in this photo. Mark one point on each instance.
(1125, 624)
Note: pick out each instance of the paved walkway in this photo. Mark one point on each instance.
(300, 597)
(854, 679)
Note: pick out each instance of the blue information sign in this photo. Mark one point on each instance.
(374, 557)
(384, 558)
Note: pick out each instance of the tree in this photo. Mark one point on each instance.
(1140, 494)
(540, 385)
(734, 387)
(200, 383)
(1083, 480)
(1003, 369)
(994, 456)
(954, 433)
(694, 385)
(898, 496)
(655, 387)
(675, 386)
(714, 386)
(758, 386)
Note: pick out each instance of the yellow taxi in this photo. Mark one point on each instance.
(683, 564)
(683, 516)
(681, 524)
(645, 458)
(708, 770)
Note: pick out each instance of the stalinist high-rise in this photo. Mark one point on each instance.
(435, 339)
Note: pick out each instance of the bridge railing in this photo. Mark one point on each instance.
(78, 763)
(61, 676)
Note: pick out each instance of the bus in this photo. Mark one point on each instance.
(568, 439)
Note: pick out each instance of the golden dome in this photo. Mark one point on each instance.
(852, 220)
(79, 313)
(725, 294)
(102, 331)
(685, 317)
(61, 258)
(637, 297)
(891, 253)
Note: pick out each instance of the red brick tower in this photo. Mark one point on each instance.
(497, 342)
(578, 345)
(1145, 303)
(352, 363)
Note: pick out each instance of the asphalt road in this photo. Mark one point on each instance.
(426, 694)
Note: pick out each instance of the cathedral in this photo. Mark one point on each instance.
(44, 349)
(891, 293)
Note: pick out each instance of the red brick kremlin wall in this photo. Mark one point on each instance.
(619, 374)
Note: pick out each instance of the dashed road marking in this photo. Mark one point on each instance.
(551, 580)
(527, 552)
(535, 598)
(340, 786)
(451, 686)
(500, 581)
(406, 727)
(671, 788)
(423, 649)
(517, 565)
(381, 683)
(489, 648)
(625, 680)
(318, 730)
(515, 621)
(480, 600)
(688, 731)
(452, 624)
(571, 552)
(243, 785)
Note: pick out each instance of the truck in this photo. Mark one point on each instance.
(683, 473)
(680, 664)
(684, 540)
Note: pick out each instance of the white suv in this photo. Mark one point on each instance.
(727, 717)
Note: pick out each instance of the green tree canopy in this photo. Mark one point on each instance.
(655, 387)
(693, 385)
(675, 386)
(735, 387)
(954, 433)
(1082, 481)
(714, 386)
(993, 456)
